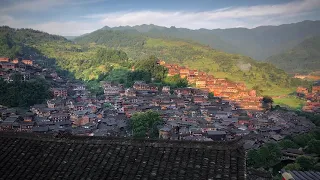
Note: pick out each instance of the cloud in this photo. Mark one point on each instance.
(10, 21)
(42, 5)
(249, 16)
(69, 28)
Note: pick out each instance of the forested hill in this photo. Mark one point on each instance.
(20, 42)
(304, 58)
(220, 64)
(100, 52)
(112, 38)
(258, 43)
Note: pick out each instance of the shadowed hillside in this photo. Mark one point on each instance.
(304, 58)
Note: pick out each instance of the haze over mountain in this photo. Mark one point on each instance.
(258, 43)
(303, 58)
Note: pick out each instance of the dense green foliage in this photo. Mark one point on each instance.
(112, 38)
(176, 81)
(144, 124)
(303, 139)
(304, 58)
(267, 155)
(210, 95)
(8, 48)
(315, 118)
(151, 66)
(267, 102)
(23, 94)
(313, 146)
(19, 42)
(304, 163)
(287, 143)
(93, 63)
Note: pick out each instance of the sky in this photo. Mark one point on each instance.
(76, 17)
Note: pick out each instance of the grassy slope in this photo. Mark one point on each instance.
(290, 101)
(193, 55)
(219, 64)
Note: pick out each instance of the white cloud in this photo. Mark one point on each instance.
(250, 16)
(10, 21)
(33, 5)
(42, 5)
(70, 28)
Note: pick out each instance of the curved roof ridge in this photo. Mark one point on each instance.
(219, 145)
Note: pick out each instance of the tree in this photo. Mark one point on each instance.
(254, 159)
(306, 163)
(303, 139)
(267, 102)
(151, 65)
(210, 95)
(144, 124)
(287, 143)
(137, 75)
(292, 166)
(267, 155)
(23, 94)
(175, 81)
(313, 146)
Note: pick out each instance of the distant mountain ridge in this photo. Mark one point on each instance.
(258, 43)
(303, 58)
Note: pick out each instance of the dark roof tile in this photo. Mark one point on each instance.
(34, 156)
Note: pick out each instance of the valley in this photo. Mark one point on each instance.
(114, 83)
(106, 89)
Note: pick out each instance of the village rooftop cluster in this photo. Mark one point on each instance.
(188, 113)
(312, 96)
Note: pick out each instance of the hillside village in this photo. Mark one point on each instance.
(188, 113)
(312, 97)
(235, 92)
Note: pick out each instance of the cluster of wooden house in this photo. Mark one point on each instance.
(312, 97)
(25, 67)
(236, 92)
(189, 114)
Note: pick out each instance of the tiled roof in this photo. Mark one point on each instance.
(302, 175)
(32, 156)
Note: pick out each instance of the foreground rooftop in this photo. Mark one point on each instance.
(35, 156)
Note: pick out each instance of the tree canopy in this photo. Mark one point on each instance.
(144, 124)
(23, 94)
(175, 81)
(151, 65)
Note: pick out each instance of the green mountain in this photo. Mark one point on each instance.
(304, 58)
(258, 43)
(97, 54)
(20, 42)
(220, 64)
(202, 36)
